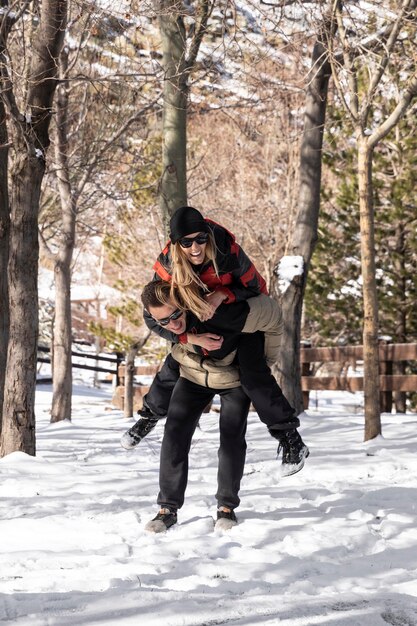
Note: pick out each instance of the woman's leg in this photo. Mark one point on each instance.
(155, 403)
(187, 404)
(265, 315)
(232, 451)
(159, 395)
(270, 403)
(260, 385)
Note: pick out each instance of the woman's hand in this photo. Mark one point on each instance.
(208, 341)
(214, 299)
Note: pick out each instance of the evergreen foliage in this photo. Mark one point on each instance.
(333, 305)
(116, 341)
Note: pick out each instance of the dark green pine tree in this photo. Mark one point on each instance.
(333, 305)
(396, 226)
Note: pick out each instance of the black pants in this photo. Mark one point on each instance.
(187, 404)
(160, 392)
(259, 384)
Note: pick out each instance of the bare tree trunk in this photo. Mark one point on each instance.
(177, 66)
(62, 339)
(358, 94)
(61, 364)
(129, 376)
(370, 301)
(4, 252)
(30, 147)
(173, 184)
(401, 314)
(18, 432)
(6, 22)
(304, 235)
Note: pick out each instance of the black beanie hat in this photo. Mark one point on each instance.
(185, 221)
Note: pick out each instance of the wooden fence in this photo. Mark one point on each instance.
(114, 359)
(139, 390)
(389, 382)
(344, 355)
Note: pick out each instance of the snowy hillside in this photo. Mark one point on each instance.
(334, 545)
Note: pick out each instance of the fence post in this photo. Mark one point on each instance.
(129, 376)
(119, 361)
(131, 353)
(399, 398)
(385, 368)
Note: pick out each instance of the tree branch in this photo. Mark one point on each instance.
(109, 143)
(335, 60)
(409, 93)
(206, 10)
(348, 63)
(374, 43)
(286, 3)
(388, 47)
(45, 249)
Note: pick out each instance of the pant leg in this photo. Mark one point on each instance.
(160, 392)
(232, 451)
(259, 384)
(265, 315)
(187, 404)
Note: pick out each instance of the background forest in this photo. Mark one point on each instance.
(245, 120)
(112, 115)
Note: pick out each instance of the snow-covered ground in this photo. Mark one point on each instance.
(335, 545)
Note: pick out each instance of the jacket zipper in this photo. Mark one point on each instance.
(202, 366)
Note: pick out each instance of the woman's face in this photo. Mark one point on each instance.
(197, 251)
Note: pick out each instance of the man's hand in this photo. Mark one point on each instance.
(214, 300)
(208, 341)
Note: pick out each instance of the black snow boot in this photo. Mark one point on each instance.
(294, 451)
(138, 431)
(226, 518)
(163, 520)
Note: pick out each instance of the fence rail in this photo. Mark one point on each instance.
(389, 353)
(116, 359)
(139, 390)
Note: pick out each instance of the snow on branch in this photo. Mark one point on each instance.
(287, 269)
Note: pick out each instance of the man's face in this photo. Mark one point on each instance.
(162, 314)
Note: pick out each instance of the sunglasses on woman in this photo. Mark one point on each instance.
(171, 318)
(187, 242)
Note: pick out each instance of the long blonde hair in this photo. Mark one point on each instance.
(186, 284)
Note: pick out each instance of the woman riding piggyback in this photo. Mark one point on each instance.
(205, 265)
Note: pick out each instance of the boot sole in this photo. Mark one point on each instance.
(224, 524)
(288, 469)
(127, 442)
(157, 526)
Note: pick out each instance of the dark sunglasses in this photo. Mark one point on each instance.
(187, 242)
(171, 318)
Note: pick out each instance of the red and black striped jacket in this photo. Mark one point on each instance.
(238, 276)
